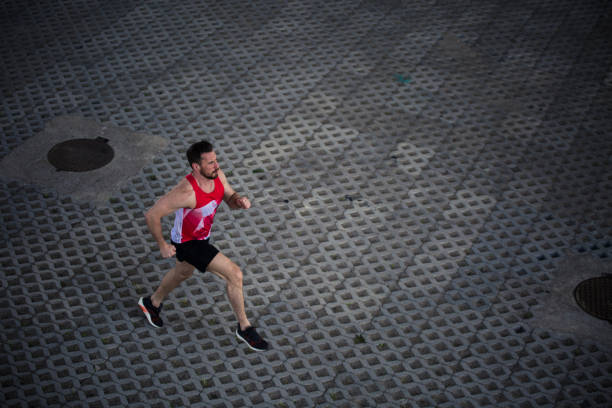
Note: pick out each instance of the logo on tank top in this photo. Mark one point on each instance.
(200, 219)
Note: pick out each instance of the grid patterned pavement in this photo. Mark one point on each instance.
(422, 172)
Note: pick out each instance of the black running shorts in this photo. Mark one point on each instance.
(198, 253)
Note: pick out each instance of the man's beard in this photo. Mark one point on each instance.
(210, 176)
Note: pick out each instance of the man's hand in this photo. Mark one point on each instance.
(167, 250)
(236, 201)
(243, 202)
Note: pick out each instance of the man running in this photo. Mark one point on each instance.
(195, 201)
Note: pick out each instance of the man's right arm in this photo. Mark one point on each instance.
(179, 197)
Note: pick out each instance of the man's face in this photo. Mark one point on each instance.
(208, 167)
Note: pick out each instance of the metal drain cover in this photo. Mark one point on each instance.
(81, 154)
(594, 296)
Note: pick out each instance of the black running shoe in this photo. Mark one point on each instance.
(252, 339)
(151, 312)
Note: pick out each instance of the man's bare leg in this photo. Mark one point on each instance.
(223, 267)
(173, 278)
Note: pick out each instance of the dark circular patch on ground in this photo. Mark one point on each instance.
(81, 154)
(594, 296)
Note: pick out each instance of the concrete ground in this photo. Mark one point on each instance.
(430, 181)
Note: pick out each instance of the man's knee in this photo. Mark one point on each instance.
(184, 271)
(234, 277)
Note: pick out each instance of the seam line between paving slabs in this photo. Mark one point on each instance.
(378, 312)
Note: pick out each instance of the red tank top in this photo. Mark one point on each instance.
(195, 223)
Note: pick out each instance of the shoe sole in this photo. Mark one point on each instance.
(247, 343)
(146, 312)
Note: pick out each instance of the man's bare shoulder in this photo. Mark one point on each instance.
(183, 187)
(182, 195)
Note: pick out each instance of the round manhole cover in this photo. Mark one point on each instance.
(594, 296)
(81, 154)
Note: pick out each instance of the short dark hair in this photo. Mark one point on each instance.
(195, 151)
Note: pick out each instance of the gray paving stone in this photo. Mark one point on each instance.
(419, 172)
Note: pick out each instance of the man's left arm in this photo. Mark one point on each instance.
(231, 197)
